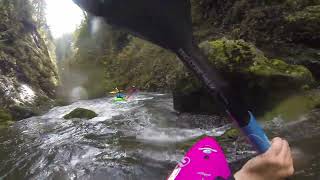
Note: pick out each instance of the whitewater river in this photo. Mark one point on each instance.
(139, 140)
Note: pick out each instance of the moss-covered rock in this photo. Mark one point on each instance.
(81, 113)
(260, 81)
(238, 56)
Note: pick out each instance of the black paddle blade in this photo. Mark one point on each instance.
(166, 23)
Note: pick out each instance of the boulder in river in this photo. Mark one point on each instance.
(81, 113)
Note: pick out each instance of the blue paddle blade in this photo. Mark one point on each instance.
(256, 135)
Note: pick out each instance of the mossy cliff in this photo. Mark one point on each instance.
(28, 73)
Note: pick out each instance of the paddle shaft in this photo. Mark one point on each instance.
(217, 87)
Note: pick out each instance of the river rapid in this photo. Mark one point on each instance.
(141, 139)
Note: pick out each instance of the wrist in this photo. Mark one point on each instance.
(245, 175)
(239, 175)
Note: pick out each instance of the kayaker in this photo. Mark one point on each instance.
(275, 164)
(119, 94)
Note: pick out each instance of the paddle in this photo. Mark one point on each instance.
(167, 23)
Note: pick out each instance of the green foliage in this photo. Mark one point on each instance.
(81, 113)
(304, 25)
(310, 13)
(144, 65)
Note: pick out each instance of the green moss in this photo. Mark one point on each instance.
(5, 116)
(230, 134)
(238, 56)
(304, 25)
(81, 113)
(280, 68)
(310, 13)
(294, 106)
(231, 55)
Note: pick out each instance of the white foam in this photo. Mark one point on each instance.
(26, 93)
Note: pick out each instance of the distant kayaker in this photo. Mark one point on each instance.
(119, 93)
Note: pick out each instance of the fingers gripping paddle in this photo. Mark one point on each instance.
(168, 24)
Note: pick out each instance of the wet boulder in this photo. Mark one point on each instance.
(259, 80)
(81, 113)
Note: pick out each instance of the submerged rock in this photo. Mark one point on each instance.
(81, 113)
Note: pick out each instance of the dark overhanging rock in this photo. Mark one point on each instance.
(262, 82)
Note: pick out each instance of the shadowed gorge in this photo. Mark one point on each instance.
(60, 117)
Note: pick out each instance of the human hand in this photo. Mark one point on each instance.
(275, 164)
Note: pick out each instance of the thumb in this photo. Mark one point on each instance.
(276, 146)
